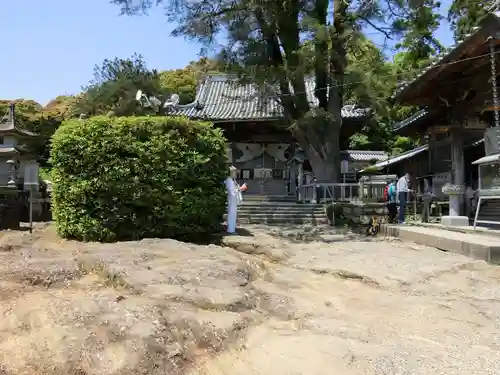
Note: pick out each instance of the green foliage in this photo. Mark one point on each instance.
(184, 81)
(115, 84)
(335, 213)
(181, 82)
(402, 144)
(133, 177)
(62, 107)
(464, 15)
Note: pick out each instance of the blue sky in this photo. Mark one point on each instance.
(51, 46)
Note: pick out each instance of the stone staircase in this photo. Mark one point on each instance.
(490, 211)
(279, 210)
(266, 187)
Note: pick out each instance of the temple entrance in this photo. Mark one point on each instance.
(262, 166)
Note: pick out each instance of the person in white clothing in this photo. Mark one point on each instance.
(234, 198)
(402, 189)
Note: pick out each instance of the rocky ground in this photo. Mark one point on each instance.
(271, 302)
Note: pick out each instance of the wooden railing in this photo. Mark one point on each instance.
(346, 192)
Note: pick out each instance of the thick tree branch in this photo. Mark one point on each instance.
(321, 53)
(276, 60)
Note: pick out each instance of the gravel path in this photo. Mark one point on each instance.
(278, 302)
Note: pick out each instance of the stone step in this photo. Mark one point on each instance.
(281, 215)
(268, 198)
(271, 211)
(277, 209)
(472, 244)
(278, 221)
(278, 204)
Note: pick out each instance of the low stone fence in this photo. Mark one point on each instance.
(356, 213)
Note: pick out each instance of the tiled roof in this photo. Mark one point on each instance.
(361, 155)
(410, 120)
(9, 150)
(221, 97)
(9, 126)
(398, 158)
(494, 10)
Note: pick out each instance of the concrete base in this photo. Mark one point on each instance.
(455, 221)
(474, 245)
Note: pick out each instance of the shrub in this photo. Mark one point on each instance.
(117, 178)
(335, 213)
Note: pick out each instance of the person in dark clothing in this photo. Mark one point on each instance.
(402, 187)
(392, 206)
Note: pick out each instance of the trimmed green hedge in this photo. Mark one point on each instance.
(123, 178)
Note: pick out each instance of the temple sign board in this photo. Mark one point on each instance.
(344, 167)
(31, 170)
(31, 183)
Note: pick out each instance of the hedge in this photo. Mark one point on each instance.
(127, 178)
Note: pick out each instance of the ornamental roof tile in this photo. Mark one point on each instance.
(221, 97)
(410, 120)
(401, 157)
(362, 155)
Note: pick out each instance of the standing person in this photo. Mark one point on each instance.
(392, 206)
(402, 190)
(469, 201)
(426, 200)
(234, 198)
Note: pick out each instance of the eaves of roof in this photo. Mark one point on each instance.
(421, 114)
(222, 98)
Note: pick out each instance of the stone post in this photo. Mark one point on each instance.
(315, 195)
(301, 177)
(292, 176)
(456, 189)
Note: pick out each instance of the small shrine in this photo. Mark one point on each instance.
(18, 172)
(14, 155)
(489, 179)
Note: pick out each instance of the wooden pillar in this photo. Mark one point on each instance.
(432, 144)
(457, 189)
(458, 170)
(229, 153)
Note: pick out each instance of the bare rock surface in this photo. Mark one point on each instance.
(269, 301)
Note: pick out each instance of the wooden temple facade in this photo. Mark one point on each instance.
(260, 145)
(458, 100)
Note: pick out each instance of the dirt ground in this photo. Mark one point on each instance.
(270, 302)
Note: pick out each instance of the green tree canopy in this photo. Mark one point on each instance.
(115, 84)
(464, 15)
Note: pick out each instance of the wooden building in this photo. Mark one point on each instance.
(459, 100)
(261, 146)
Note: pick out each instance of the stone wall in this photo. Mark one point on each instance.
(357, 213)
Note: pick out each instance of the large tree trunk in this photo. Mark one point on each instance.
(316, 129)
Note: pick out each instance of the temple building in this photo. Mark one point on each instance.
(458, 124)
(260, 145)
